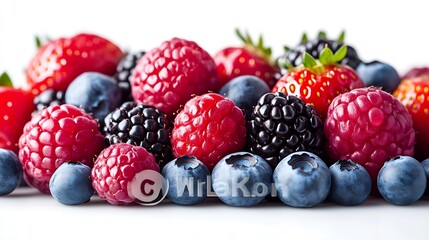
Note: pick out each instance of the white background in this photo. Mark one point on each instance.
(393, 32)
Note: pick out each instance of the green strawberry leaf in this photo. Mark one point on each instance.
(341, 37)
(308, 61)
(5, 80)
(340, 53)
(304, 38)
(286, 48)
(321, 35)
(288, 65)
(260, 42)
(326, 56)
(240, 35)
(249, 39)
(268, 52)
(38, 42)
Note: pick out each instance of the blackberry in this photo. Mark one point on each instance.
(140, 125)
(48, 98)
(124, 71)
(282, 124)
(315, 47)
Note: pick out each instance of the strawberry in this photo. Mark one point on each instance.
(413, 93)
(319, 82)
(416, 72)
(250, 59)
(58, 62)
(16, 106)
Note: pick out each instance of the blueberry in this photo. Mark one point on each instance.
(425, 165)
(187, 179)
(402, 180)
(71, 183)
(350, 183)
(245, 92)
(95, 93)
(302, 179)
(242, 179)
(10, 171)
(379, 74)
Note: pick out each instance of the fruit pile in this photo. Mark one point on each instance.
(314, 124)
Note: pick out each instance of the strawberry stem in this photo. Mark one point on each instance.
(5, 80)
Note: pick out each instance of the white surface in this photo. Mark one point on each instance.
(27, 214)
(393, 32)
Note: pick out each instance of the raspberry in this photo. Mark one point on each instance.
(368, 126)
(282, 124)
(209, 127)
(115, 168)
(140, 125)
(166, 77)
(56, 135)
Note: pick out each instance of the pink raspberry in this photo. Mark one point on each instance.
(368, 126)
(209, 127)
(58, 134)
(116, 167)
(166, 77)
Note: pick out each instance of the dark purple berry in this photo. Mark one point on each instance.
(281, 125)
(48, 98)
(124, 71)
(140, 125)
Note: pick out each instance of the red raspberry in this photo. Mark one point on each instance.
(166, 77)
(114, 169)
(209, 127)
(58, 134)
(368, 126)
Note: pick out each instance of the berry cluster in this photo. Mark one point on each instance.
(316, 123)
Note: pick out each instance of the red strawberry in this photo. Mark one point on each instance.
(168, 76)
(57, 63)
(414, 95)
(16, 106)
(318, 83)
(251, 59)
(416, 72)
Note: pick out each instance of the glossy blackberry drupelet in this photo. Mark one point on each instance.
(314, 48)
(48, 98)
(124, 71)
(283, 124)
(140, 125)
